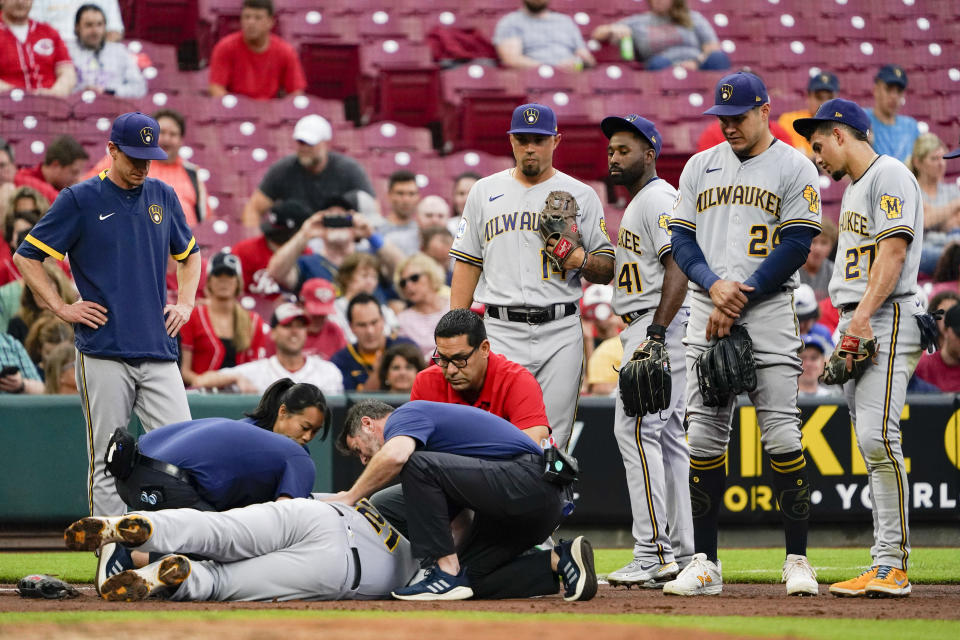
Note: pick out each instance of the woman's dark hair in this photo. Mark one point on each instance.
(948, 266)
(296, 397)
(409, 352)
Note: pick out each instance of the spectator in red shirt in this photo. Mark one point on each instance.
(62, 165)
(324, 336)
(467, 372)
(220, 332)
(942, 368)
(33, 56)
(253, 62)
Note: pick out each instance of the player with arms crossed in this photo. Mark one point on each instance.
(874, 286)
(742, 226)
(649, 295)
(525, 281)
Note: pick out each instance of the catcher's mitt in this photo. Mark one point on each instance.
(44, 586)
(558, 223)
(864, 352)
(645, 382)
(727, 368)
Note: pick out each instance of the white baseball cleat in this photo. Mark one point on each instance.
(699, 578)
(800, 577)
(649, 575)
(157, 578)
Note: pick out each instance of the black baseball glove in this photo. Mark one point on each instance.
(558, 223)
(864, 352)
(727, 368)
(929, 331)
(645, 382)
(44, 586)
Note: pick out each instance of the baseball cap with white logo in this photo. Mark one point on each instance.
(533, 118)
(287, 313)
(312, 129)
(633, 123)
(318, 295)
(737, 93)
(138, 136)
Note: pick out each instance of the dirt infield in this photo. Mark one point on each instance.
(933, 602)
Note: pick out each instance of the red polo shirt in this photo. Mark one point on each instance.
(508, 391)
(32, 64)
(33, 177)
(240, 70)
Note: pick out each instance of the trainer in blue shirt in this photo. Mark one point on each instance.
(451, 457)
(118, 229)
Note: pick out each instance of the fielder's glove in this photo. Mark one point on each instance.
(558, 222)
(864, 352)
(645, 382)
(44, 586)
(727, 368)
(929, 331)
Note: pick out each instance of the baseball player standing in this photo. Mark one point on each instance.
(649, 295)
(741, 227)
(501, 261)
(118, 229)
(874, 286)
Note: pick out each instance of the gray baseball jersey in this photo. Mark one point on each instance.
(653, 447)
(297, 549)
(883, 203)
(499, 234)
(738, 209)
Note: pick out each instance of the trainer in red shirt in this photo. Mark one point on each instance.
(253, 62)
(467, 372)
(33, 57)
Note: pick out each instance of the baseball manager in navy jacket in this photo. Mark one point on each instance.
(117, 230)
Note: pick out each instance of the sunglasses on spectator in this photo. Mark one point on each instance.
(411, 278)
(459, 361)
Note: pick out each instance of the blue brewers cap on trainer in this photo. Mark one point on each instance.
(633, 123)
(533, 118)
(737, 93)
(138, 136)
(836, 110)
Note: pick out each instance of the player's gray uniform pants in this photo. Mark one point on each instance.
(109, 390)
(656, 458)
(772, 326)
(553, 353)
(288, 550)
(876, 402)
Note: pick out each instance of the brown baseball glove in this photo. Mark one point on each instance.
(864, 352)
(558, 227)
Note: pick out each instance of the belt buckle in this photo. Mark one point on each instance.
(538, 316)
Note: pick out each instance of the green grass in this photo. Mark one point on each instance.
(778, 627)
(927, 565)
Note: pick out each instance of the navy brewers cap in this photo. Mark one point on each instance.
(953, 154)
(892, 74)
(737, 93)
(823, 81)
(836, 110)
(635, 124)
(138, 136)
(534, 118)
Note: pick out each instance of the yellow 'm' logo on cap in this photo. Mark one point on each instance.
(530, 116)
(146, 134)
(631, 117)
(837, 114)
(726, 92)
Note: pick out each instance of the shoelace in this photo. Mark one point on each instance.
(801, 564)
(883, 572)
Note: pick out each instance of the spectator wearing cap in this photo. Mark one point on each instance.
(818, 269)
(324, 336)
(281, 223)
(103, 66)
(420, 282)
(807, 309)
(533, 35)
(822, 86)
(941, 369)
(891, 133)
(33, 56)
(313, 175)
(180, 174)
(254, 62)
(668, 34)
(289, 332)
(220, 332)
(61, 15)
(816, 349)
(359, 361)
(62, 165)
(400, 225)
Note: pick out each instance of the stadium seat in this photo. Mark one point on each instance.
(394, 136)
(331, 68)
(165, 21)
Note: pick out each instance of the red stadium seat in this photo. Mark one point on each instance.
(331, 68)
(165, 21)
(394, 136)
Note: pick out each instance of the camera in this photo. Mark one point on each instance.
(337, 222)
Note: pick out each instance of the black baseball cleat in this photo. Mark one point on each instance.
(576, 569)
(89, 534)
(155, 579)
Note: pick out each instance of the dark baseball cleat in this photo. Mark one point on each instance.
(437, 585)
(111, 560)
(159, 578)
(89, 534)
(576, 569)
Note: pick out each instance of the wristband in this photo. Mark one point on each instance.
(376, 241)
(656, 331)
(585, 257)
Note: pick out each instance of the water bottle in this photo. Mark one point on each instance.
(626, 47)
